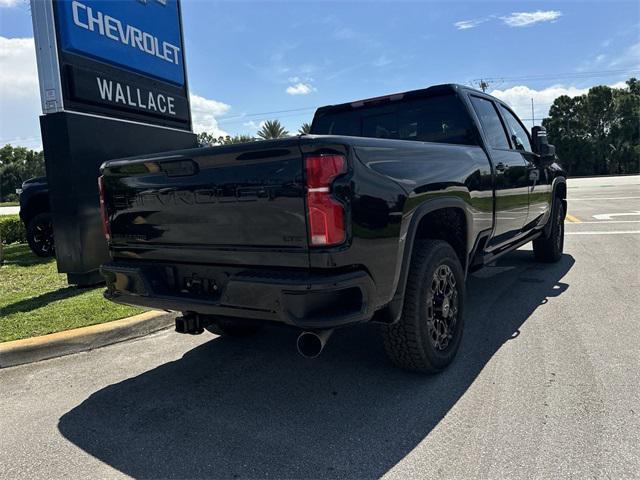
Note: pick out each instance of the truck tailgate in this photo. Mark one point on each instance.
(241, 197)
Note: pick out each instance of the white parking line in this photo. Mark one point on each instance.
(608, 216)
(570, 199)
(607, 222)
(621, 232)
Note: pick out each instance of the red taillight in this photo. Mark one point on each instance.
(326, 214)
(103, 209)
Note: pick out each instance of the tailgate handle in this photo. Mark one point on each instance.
(179, 168)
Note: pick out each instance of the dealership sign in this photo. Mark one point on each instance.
(117, 58)
(143, 37)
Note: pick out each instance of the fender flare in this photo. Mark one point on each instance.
(555, 197)
(36, 203)
(406, 248)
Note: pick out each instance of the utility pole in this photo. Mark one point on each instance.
(483, 85)
(533, 116)
(480, 83)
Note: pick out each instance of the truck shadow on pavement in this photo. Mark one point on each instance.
(254, 408)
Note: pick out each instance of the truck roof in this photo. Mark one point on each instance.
(422, 92)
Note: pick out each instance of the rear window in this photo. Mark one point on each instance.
(441, 119)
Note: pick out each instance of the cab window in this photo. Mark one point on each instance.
(440, 119)
(491, 123)
(517, 133)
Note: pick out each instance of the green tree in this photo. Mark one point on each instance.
(18, 164)
(206, 139)
(625, 131)
(305, 128)
(238, 139)
(272, 129)
(597, 133)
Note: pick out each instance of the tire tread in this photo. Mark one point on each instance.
(544, 248)
(404, 340)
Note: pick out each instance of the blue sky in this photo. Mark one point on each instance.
(245, 58)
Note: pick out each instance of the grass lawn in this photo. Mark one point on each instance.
(35, 299)
(9, 204)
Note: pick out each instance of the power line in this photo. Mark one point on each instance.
(245, 115)
(224, 121)
(555, 76)
(482, 83)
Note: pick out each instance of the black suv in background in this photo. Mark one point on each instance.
(36, 216)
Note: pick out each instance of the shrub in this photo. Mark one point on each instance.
(12, 229)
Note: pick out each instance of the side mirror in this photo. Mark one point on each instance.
(516, 141)
(541, 146)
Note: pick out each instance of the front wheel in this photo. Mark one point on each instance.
(428, 334)
(548, 249)
(40, 235)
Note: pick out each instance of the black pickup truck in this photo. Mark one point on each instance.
(378, 215)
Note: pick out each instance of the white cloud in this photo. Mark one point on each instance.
(515, 19)
(204, 112)
(20, 105)
(253, 125)
(19, 93)
(467, 24)
(18, 71)
(9, 3)
(630, 57)
(300, 89)
(524, 19)
(620, 84)
(519, 99)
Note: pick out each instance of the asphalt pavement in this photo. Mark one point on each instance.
(545, 385)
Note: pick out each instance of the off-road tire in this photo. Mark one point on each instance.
(408, 342)
(40, 235)
(549, 249)
(232, 328)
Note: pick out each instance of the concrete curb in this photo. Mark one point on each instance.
(82, 339)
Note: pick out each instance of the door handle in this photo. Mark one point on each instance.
(501, 167)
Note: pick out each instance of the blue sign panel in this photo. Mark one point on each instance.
(142, 36)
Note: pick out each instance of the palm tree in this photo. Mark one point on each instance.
(208, 140)
(305, 128)
(272, 129)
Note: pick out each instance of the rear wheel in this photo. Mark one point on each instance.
(40, 235)
(549, 249)
(428, 334)
(232, 328)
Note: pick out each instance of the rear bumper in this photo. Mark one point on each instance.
(293, 297)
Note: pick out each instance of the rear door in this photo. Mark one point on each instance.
(510, 170)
